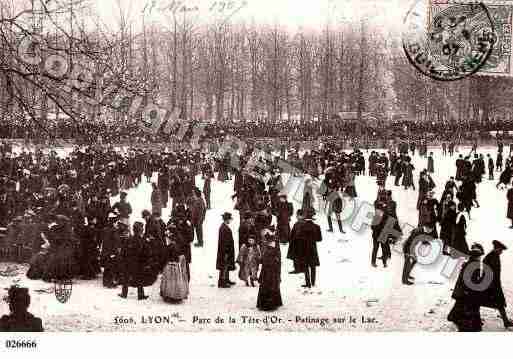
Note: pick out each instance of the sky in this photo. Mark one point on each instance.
(293, 14)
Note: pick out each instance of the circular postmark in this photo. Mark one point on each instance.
(448, 41)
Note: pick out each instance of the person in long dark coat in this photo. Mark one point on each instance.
(431, 163)
(378, 224)
(285, 211)
(110, 243)
(295, 242)
(467, 193)
(428, 212)
(133, 260)
(225, 253)
(184, 239)
(510, 206)
(498, 162)
(163, 186)
(308, 198)
(459, 168)
(207, 189)
(505, 178)
(269, 295)
(19, 320)
(156, 199)
(459, 246)
(493, 296)
(466, 310)
(408, 174)
(447, 215)
(306, 250)
(426, 184)
(62, 263)
(491, 168)
(89, 252)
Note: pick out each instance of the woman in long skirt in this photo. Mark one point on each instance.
(466, 310)
(174, 286)
(269, 295)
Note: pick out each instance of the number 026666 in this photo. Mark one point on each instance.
(20, 344)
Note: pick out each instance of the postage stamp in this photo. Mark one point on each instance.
(448, 41)
(500, 61)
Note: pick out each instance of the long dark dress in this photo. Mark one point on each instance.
(465, 312)
(269, 295)
(133, 261)
(61, 264)
(225, 249)
(459, 242)
(447, 224)
(493, 296)
(295, 243)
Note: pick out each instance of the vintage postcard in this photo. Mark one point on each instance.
(171, 166)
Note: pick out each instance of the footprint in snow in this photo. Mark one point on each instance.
(344, 260)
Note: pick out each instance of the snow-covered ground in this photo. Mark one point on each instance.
(347, 286)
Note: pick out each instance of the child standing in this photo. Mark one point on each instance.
(249, 260)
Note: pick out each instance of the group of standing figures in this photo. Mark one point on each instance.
(448, 220)
(78, 232)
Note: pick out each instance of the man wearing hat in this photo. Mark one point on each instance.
(198, 209)
(132, 262)
(20, 320)
(225, 252)
(493, 296)
(207, 187)
(306, 255)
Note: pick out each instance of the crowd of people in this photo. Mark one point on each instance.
(57, 214)
(372, 132)
(446, 219)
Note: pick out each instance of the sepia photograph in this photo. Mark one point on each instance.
(255, 166)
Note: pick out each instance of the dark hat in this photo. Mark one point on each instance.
(146, 213)
(499, 245)
(227, 216)
(476, 250)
